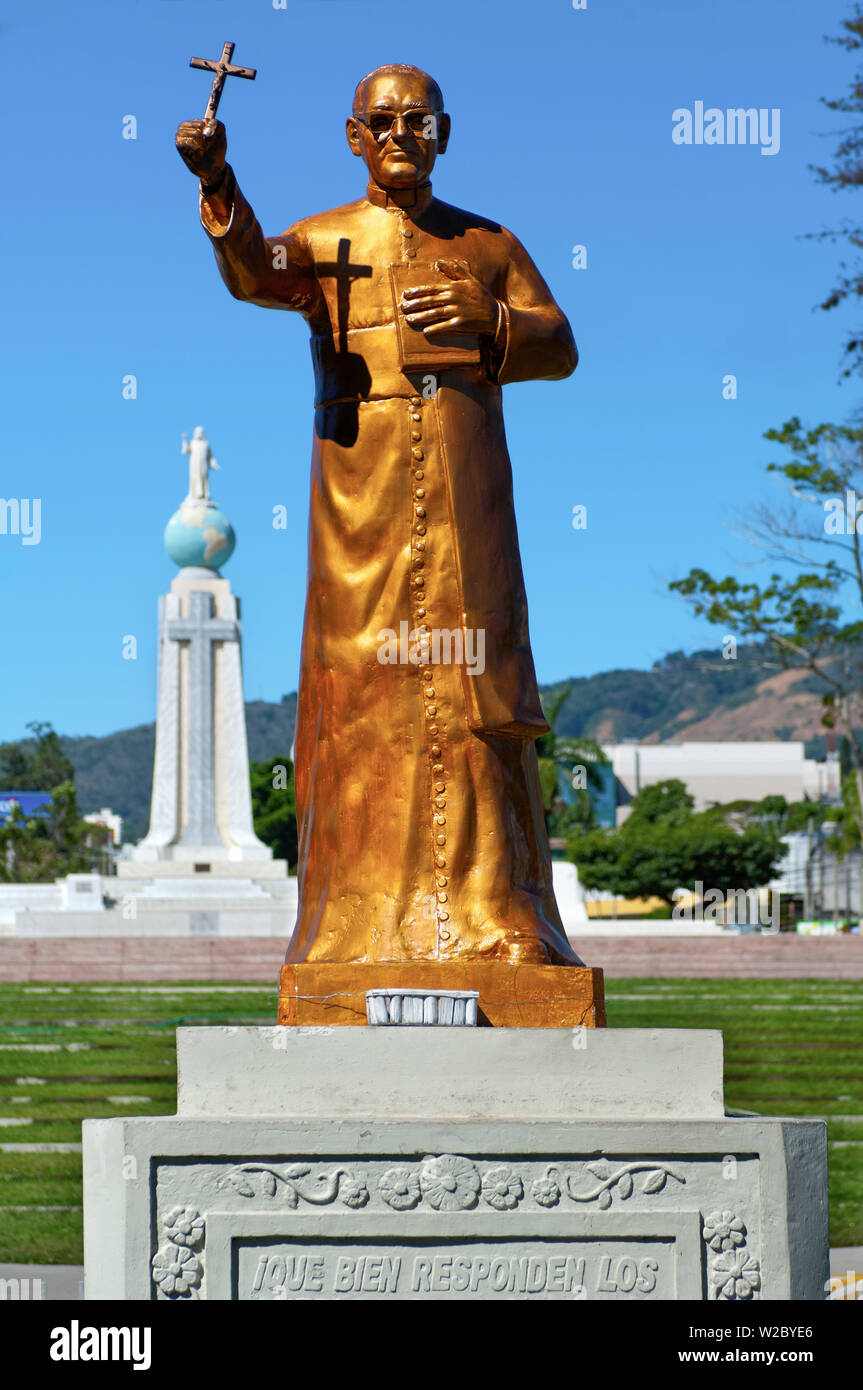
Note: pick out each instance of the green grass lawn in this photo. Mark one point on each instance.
(86, 1051)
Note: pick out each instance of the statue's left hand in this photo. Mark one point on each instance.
(463, 306)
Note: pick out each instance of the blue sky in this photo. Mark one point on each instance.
(562, 125)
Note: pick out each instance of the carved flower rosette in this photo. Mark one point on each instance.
(177, 1267)
(734, 1272)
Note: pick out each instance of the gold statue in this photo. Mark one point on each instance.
(422, 834)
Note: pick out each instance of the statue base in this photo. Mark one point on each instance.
(454, 1164)
(510, 996)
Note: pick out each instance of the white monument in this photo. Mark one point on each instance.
(201, 811)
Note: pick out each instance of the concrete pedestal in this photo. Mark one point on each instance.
(397, 1163)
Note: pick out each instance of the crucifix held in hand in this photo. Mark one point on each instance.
(222, 68)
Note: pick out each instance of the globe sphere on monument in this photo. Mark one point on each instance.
(199, 534)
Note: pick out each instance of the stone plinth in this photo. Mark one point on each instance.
(436, 1074)
(510, 996)
(434, 1163)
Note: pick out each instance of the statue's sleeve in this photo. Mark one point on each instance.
(273, 272)
(535, 340)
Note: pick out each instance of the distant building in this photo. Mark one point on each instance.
(716, 773)
(112, 822)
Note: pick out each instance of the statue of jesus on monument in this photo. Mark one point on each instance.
(200, 463)
(421, 824)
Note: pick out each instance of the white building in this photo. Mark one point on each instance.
(110, 820)
(722, 772)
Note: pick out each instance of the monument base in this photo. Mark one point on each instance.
(510, 996)
(454, 1163)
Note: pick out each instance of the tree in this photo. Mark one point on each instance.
(661, 803)
(559, 758)
(36, 764)
(274, 807)
(812, 618)
(846, 172)
(55, 841)
(50, 844)
(664, 846)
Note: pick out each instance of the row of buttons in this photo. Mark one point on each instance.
(430, 697)
(407, 232)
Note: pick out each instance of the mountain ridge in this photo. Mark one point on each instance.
(699, 696)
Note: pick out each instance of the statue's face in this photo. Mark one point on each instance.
(400, 131)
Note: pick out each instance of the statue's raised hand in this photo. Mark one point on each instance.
(203, 146)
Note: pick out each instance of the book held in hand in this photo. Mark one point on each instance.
(416, 350)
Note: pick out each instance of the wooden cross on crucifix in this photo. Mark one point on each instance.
(222, 68)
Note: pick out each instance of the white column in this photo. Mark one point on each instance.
(165, 803)
(201, 807)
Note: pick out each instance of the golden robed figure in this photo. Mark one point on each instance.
(423, 855)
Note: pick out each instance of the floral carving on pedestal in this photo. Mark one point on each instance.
(735, 1274)
(353, 1191)
(450, 1183)
(400, 1189)
(295, 1182)
(184, 1226)
(724, 1231)
(502, 1188)
(621, 1182)
(734, 1271)
(177, 1269)
(546, 1190)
